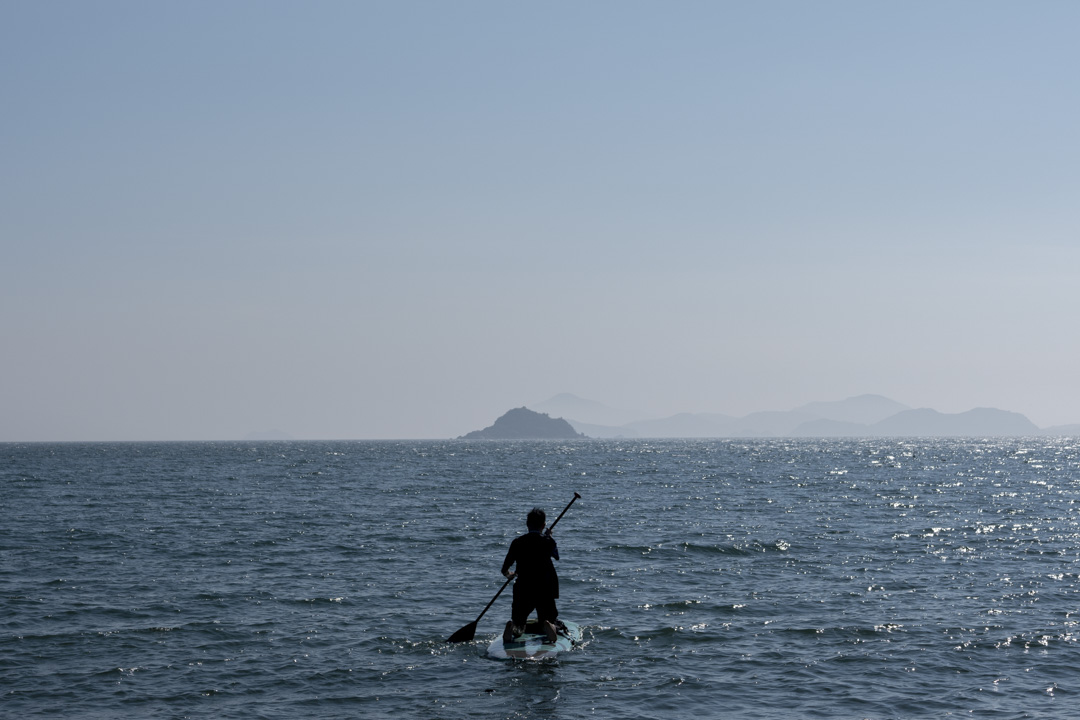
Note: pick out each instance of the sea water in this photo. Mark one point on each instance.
(734, 579)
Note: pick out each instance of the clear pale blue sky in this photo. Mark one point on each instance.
(400, 219)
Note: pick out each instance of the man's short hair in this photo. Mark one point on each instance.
(536, 519)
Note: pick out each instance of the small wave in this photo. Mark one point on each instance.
(733, 549)
(627, 549)
(672, 605)
(317, 600)
(1025, 641)
(65, 635)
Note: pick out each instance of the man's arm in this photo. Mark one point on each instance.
(508, 562)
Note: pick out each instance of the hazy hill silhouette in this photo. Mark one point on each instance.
(524, 424)
(860, 416)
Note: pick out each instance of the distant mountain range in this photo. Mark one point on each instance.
(861, 416)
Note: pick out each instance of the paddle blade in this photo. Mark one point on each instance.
(465, 634)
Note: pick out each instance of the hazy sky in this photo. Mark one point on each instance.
(400, 219)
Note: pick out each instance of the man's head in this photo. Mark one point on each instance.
(536, 519)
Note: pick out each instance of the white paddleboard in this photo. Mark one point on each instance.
(533, 643)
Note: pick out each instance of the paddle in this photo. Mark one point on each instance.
(467, 633)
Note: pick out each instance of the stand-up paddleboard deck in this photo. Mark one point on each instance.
(533, 643)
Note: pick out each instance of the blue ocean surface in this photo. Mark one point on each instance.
(722, 579)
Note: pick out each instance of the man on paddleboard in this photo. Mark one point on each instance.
(537, 584)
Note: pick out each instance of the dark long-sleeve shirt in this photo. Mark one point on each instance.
(533, 553)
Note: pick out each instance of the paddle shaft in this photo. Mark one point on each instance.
(552, 526)
(477, 620)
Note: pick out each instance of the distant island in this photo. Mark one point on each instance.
(524, 424)
(860, 416)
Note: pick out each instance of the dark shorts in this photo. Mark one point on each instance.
(523, 605)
